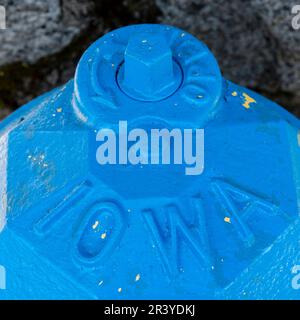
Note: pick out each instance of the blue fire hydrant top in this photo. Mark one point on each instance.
(74, 227)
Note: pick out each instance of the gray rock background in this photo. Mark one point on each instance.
(253, 41)
(37, 28)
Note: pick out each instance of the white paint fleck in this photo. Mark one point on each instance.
(137, 277)
(95, 225)
(227, 219)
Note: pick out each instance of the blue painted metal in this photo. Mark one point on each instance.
(73, 229)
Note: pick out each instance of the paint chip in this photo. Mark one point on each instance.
(100, 283)
(103, 235)
(137, 277)
(234, 94)
(95, 225)
(227, 219)
(248, 101)
(59, 110)
(119, 290)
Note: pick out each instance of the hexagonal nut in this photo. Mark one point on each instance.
(148, 63)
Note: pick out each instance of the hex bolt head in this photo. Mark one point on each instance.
(148, 64)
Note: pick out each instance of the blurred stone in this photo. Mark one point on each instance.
(37, 28)
(4, 112)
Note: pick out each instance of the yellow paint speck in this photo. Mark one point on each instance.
(227, 219)
(248, 101)
(103, 235)
(234, 94)
(95, 225)
(119, 290)
(59, 110)
(137, 277)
